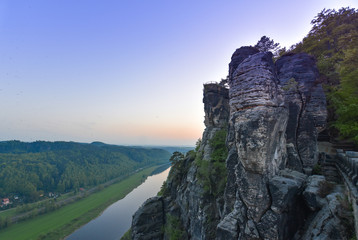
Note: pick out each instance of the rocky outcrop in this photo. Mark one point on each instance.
(184, 199)
(331, 221)
(298, 76)
(311, 194)
(199, 213)
(240, 55)
(258, 115)
(258, 119)
(327, 223)
(272, 114)
(216, 107)
(287, 210)
(148, 220)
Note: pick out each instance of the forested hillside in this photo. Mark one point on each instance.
(30, 169)
(333, 41)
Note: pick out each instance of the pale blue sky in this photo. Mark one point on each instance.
(127, 71)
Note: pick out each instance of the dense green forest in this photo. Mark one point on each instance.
(333, 41)
(30, 169)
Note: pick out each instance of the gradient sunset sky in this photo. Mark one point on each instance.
(128, 72)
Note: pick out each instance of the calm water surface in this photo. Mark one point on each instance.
(117, 218)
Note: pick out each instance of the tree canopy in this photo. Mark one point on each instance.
(265, 44)
(176, 157)
(333, 41)
(27, 169)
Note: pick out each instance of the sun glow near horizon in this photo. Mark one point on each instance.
(127, 73)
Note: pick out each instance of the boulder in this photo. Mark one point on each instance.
(327, 224)
(311, 192)
(283, 191)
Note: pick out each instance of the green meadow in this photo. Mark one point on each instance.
(60, 223)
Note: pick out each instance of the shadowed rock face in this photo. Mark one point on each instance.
(216, 105)
(240, 55)
(307, 105)
(148, 220)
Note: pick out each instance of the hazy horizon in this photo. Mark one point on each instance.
(128, 72)
(126, 145)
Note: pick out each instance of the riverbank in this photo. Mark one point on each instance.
(62, 222)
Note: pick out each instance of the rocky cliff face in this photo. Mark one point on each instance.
(186, 209)
(306, 101)
(271, 115)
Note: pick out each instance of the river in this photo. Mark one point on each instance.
(117, 218)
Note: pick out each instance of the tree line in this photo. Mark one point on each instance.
(333, 41)
(31, 169)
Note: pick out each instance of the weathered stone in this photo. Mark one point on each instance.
(269, 226)
(236, 219)
(283, 191)
(257, 70)
(311, 193)
(298, 76)
(260, 139)
(293, 160)
(189, 198)
(288, 211)
(295, 175)
(261, 122)
(148, 221)
(250, 231)
(240, 55)
(326, 224)
(228, 227)
(216, 105)
(258, 119)
(253, 192)
(231, 186)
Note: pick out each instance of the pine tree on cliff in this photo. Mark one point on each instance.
(265, 44)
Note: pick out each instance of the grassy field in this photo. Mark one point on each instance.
(12, 211)
(62, 222)
(8, 213)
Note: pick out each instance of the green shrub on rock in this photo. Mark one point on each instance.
(212, 174)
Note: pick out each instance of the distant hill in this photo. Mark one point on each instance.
(172, 149)
(28, 169)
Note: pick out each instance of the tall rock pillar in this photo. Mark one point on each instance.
(306, 100)
(258, 119)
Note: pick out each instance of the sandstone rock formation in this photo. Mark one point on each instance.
(298, 76)
(258, 119)
(272, 113)
(148, 220)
